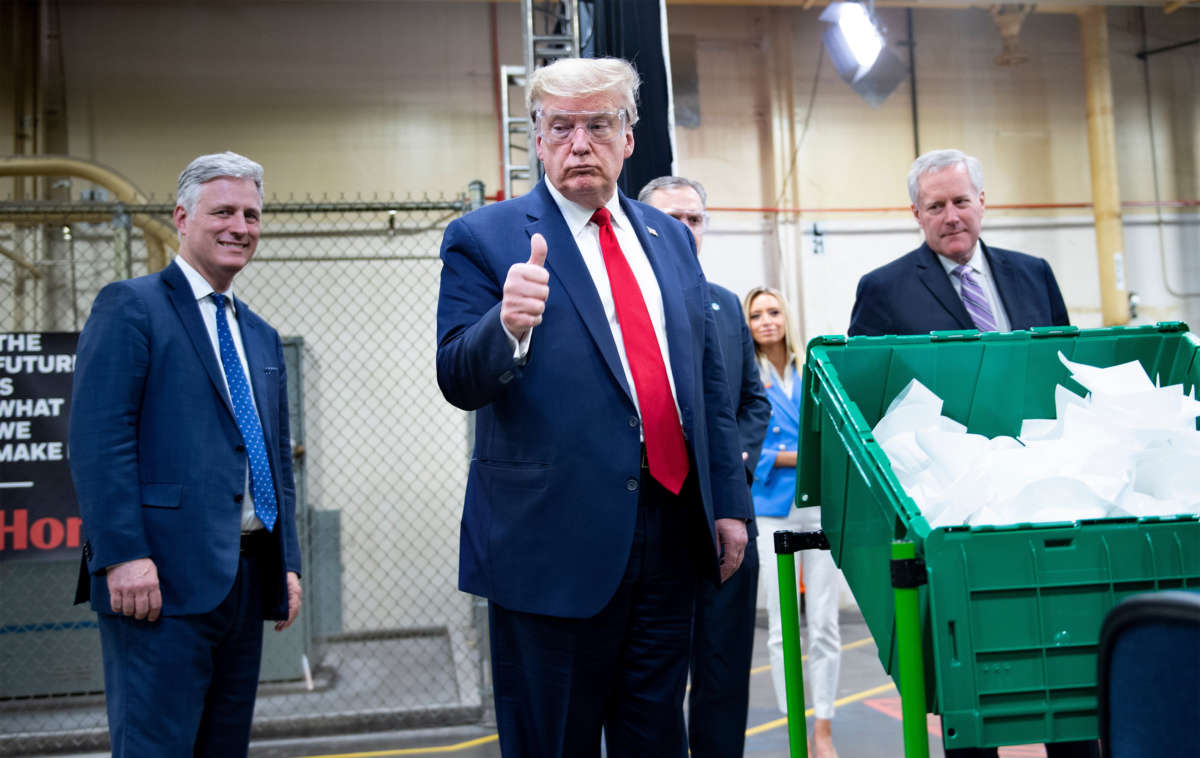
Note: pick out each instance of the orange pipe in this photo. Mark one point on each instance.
(497, 197)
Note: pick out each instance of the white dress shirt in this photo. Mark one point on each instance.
(208, 312)
(983, 273)
(587, 238)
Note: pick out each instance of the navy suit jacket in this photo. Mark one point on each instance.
(156, 456)
(551, 499)
(750, 403)
(913, 295)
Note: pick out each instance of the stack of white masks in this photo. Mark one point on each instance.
(1129, 448)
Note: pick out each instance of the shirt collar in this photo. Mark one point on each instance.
(770, 374)
(977, 263)
(200, 286)
(578, 216)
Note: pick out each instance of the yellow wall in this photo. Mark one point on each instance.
(381, 98)
(371, 97)
(332, 98)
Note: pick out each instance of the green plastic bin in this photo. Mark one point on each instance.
(1010, 615)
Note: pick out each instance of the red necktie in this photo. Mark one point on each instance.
(665, 451)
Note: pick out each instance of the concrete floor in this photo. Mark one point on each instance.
(867, 724)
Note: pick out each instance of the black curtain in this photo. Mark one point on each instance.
(632, 29)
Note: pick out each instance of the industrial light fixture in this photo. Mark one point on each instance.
(856, 45)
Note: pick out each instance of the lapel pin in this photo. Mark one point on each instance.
(652, 230)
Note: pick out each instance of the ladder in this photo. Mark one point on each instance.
(550, 32)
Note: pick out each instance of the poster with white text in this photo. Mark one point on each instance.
(39, 517)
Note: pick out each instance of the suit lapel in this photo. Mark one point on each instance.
(1007, 286)
(933, 276)
(254, 342)
(184, 301)
(572, 274)
(678, 324)
(783, 404)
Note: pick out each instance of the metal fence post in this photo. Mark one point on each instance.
(475, 193)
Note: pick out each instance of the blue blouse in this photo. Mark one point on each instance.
(774, 489)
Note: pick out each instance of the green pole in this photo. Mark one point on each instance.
(789, 617)
(909, 646)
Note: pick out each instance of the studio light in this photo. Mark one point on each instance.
(856, 46)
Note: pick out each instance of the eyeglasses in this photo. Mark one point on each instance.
(558, 127)
(694, 219)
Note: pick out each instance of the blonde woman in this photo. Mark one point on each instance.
(774, 490)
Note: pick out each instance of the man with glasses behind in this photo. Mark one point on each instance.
(723, 627)
(607, 476)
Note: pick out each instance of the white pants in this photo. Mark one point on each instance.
(821, 586)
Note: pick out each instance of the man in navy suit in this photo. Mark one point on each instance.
(606, 478)
(723, 625)
(955, 281)
(922, 291)
(181, 459)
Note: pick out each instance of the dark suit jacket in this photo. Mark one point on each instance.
(552, 491)
(750, 403)
(156, 456)
(913, 295)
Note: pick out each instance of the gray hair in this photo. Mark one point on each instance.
(666, 182)
(580, 77)
(214, 166)
(937, 160)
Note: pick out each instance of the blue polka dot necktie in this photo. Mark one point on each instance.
(261, 484)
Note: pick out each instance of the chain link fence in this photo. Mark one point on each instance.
(386, 640)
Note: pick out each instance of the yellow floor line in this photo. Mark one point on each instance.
(847, 646)
(414, 750)
(492, 738)
(782, 722)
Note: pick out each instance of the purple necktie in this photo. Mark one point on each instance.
(975, 300)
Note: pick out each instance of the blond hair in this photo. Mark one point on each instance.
(580, 77)
(789, 333)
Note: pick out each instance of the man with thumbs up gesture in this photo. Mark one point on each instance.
(525, 291)
(606, 480)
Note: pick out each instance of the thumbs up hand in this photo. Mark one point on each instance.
(525, 291)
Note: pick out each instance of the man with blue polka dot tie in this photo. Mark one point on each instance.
(181, 458)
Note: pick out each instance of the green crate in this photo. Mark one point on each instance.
(1010, 615)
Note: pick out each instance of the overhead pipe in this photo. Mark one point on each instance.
(158, 235)
(991, 206)
(497, 197)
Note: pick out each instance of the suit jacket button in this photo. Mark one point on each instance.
(631, 484)
(776, 430)
(633, 422)
(506, 377)
(242, 448)
(238, 498)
